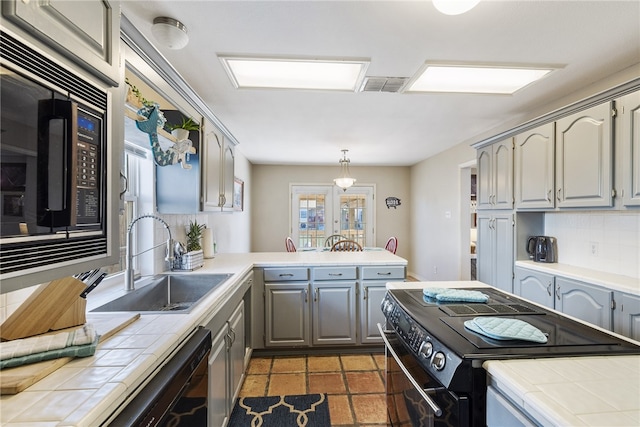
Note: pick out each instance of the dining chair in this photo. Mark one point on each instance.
(346, 246)
(288, 242)
(332, 239)
(392, 244)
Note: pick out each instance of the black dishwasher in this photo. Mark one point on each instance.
(177, 395)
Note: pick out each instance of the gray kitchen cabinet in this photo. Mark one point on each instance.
(584, 156)
(591, 303)
(495, 251)
(218, 169)
(287, 307)
(535, 286)
(628, 135)
(226, 367)
(372, 291)
(534, 169)
(495, 176)
(587, 302)
(627, 315)
(88, 35)
(334, 305)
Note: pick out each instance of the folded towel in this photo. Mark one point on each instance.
(41, 343)
(462, 295)
(432, 292)
(501, 328)
(72, 351)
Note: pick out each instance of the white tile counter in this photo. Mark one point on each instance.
(86, 391)
(572, 391)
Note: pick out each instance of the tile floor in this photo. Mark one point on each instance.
(353, 382)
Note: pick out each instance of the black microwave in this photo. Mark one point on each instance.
(52, 162)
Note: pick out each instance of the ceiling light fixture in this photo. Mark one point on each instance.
(281, 73)
(170, 32)
(345, 181)
(454, 7)
(468, 78)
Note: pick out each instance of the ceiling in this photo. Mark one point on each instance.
(589, 39)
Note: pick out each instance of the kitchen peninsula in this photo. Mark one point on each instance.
(90, 391)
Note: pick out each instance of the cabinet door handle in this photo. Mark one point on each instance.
(388, 273)
(125, 187)
(558, 292)
(335, 274)
(549, 288)
(286, 275)
(306, 297)
(315, 295)
(366, 291)
(558, 193)
(232, 337)
(549, 195)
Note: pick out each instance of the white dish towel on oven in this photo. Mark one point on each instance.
(502, 328)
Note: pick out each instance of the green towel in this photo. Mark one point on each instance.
(84, 350)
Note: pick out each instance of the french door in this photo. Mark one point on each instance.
(320, 211)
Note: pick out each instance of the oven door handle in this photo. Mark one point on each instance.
(436, 409)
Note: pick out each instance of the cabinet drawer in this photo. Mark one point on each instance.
(383, 272)
(285, 274)
(335, 273)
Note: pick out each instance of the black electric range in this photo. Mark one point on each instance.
(436, 335)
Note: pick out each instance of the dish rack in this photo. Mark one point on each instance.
(189, 261)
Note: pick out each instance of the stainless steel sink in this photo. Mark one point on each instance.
(166, 293)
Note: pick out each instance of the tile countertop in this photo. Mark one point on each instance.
(566, 391)
(86, 391)
(614, 282)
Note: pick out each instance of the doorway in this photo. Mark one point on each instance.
(320, 211)
(468, 233)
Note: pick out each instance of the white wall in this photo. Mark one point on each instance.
(435, 215)
(271, 201)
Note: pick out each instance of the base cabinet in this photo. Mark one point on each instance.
(627, 315)
(226, 368)
(584, 301)
(340, 305)
(371, 293)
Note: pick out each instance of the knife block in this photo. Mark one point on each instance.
(54, 305)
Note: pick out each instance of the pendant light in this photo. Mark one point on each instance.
(344, 181)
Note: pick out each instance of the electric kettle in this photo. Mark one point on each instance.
(542, 249)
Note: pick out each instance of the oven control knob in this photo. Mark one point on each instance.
(439, 361)
(387, 306)
(426, 348)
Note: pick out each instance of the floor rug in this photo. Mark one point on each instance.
(308, 410)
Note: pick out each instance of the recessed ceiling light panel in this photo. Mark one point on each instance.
(276, 73)
(494, 79)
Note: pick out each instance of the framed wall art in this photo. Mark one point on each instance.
(238, 194)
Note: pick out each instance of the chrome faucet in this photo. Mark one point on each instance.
(128, 273)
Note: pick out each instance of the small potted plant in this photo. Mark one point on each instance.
(181, 130)
(194, 236)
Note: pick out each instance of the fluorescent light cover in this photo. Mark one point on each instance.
(475, 79)
(454, 7)
(295, 73)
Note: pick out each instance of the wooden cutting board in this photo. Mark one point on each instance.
(14, 380)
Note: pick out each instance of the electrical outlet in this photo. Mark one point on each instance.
(593, 248)
(435, 269)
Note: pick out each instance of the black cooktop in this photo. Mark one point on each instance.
(565, 337)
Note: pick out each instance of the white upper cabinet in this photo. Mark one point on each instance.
(495, 176)
(628, 135)
(535, 168)
(584, 150)
(87, 33)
